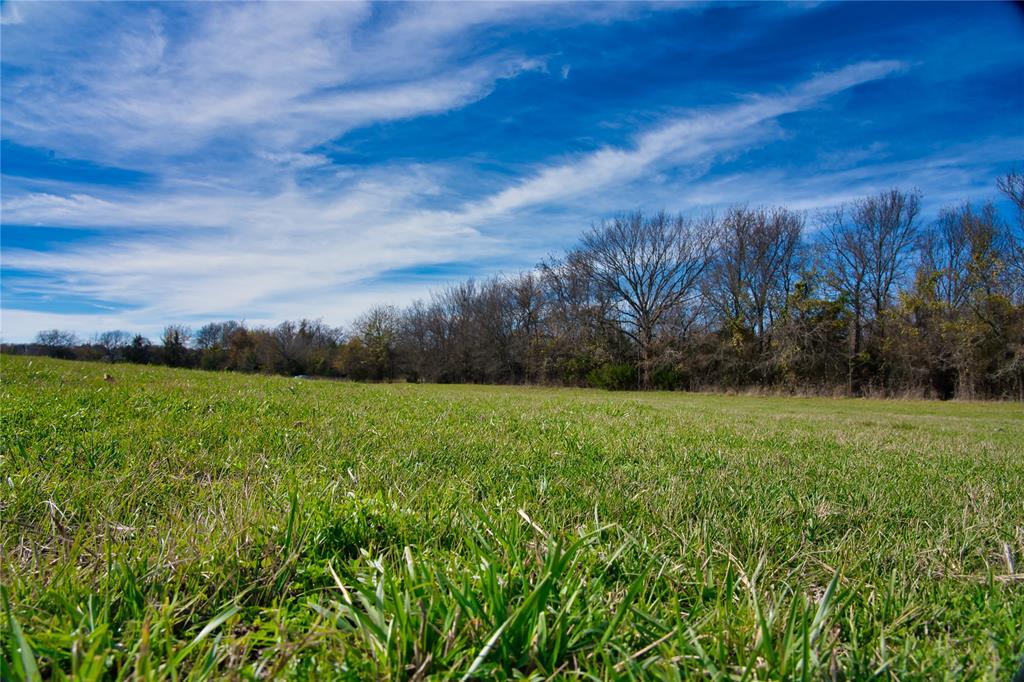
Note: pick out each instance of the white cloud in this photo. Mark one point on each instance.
(689, 139)
(296, 160)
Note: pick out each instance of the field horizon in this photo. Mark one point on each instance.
(177, 524)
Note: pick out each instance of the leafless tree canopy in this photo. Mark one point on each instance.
(1012, 186)
(751, 278)
(649, 266)
(56, 338)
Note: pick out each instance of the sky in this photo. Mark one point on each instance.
(191, 162)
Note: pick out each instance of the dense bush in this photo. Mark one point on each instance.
(614, 377)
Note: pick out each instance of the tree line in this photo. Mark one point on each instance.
(865, 299)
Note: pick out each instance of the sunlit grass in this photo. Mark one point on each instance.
(172, 524)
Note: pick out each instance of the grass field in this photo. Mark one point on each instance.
(176, 524)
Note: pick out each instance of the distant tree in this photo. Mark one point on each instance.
(1012, 185)
(865, 252)
(58, 343)
(175, 345)
(527, 307)
(113, 344)
(207, 336)
(809, 346)
(57, 338)
(652, 266)
(303, 347)
(491, 327)
(243, 355)
(320, 344)
(752, 275)
(139, 350)
(957, 325)
(581, 331)
(417, 342)
(212, 341)
(455, 311)
(376, 332)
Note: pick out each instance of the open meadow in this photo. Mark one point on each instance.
(175, 524)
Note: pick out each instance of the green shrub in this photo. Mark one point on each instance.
(613, 377)
(666, 379)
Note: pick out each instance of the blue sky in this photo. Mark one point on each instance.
(187, 162)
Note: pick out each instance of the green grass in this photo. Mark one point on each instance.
(184, 525)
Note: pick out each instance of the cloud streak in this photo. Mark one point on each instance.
(695, 137)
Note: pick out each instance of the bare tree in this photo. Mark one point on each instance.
(452, 318)
(492, 332)
(945, 254)
(1012, 185)
(888, 225)
(754, 269)
(526, 295)
(865, 249)
(417, 342)
(113, 343)
(302, 347)
(57, 338)
(215, 334)
(652, 265)
(578, 330)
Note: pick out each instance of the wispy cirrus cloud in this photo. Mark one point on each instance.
(696, 137)
(281, 77)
